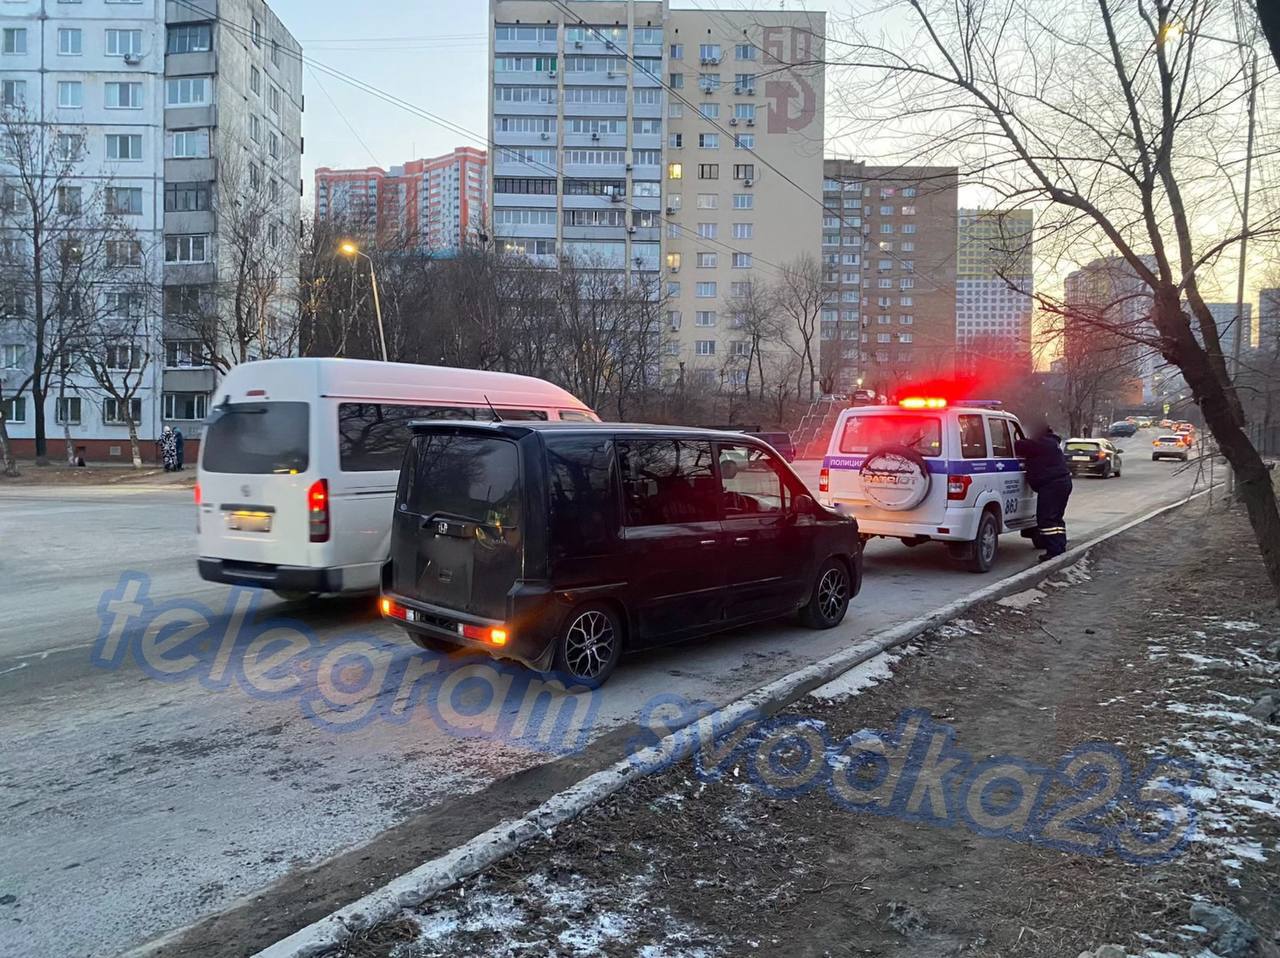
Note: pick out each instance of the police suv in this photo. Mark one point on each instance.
(926, 470)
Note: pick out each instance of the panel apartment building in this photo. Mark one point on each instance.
(889, 255)
(994, 286)
(659, 142)
(165, 115)
(437, 205)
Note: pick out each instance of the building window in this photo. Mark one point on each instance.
(67, 411)
(14, 409)
(674, 319)
(676, 141)
(744, 83)
(676, 81)
(744, 201)
(275, 53)
(13, 356)
(741, 260)
(190, 38)
(14, 40)
(123, 96)
(705, 291)
(709, 141)
(124, 146)
(124, 43)
(710, 111)
(124, 356)
(744, 171)
(13, 93)
(189, 144)
(70, 94)
(705, 347)
(273, 145)
(704, 318)
(186, 197)
(743, 231)
(708, 171)
(70, 42)
(255, 80)
(186, 407)
(675, 171)
(273, 99)
(69, 200)
(122, 253)
(255, 31)
(187, 91)
(707, 260)
(744, 141)
(191, 248)
(70, 146)
(112, 412)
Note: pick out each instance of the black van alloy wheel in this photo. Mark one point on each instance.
(830, 600)
(590, 644)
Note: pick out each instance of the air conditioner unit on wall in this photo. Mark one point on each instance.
(133, 59)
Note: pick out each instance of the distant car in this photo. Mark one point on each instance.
(1166, 424)
(1121, 429)
(1093, 457)
(1145, 422)
(1170, 446)
(780, 441)
(1184, 427)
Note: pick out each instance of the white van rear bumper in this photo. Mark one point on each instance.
(961, 525)
(290, 578)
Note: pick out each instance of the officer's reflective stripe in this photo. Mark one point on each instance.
(952, 467)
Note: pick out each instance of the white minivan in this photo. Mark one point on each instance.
(300, 459)
(926, 470)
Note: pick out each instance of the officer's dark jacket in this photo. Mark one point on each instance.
(1045, 461)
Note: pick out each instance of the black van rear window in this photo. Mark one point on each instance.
(372, 436)
(257, 438)
(476, 478)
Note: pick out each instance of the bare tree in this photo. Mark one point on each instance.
(799, 295)
(755, 312)
(253, 308)
(44, 227)
(1123, 122)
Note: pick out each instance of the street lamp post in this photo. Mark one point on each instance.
(351, 249)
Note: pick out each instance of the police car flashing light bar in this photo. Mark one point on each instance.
(937, 402)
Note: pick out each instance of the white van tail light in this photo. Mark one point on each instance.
(958, 487)
(824, 480)
(318, 510)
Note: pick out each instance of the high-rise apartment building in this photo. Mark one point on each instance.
(1108, 312)
(994, 287)
(1269, 320)
(889, 256)
(436, 204)
(680, 148)
(176, 131)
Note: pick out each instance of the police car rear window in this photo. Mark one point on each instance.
(862, 434)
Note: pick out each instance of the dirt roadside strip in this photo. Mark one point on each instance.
(489, 847)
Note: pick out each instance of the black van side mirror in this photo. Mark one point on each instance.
(802, 505)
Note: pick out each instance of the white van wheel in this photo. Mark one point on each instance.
(986, 544)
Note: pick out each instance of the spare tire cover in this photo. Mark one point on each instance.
(895, 478)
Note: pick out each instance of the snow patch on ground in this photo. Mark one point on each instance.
(1242, 626)
(1021, 600)
(871, 672)
(1072, 575)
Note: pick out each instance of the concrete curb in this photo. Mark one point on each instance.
(415, 887)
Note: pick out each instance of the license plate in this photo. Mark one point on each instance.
(1080, 458)
(249, 521)
(410, 615)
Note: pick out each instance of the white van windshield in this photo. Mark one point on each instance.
(261, 438)
(862, 434)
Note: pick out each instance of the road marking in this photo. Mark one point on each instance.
(20, 665)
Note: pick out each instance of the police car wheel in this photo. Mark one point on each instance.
(986, 544)
(827, 606)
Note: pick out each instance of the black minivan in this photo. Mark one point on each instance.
(560, 545)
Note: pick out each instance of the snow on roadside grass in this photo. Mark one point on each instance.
(871, 672)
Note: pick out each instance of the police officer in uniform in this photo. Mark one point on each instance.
(1050, 478)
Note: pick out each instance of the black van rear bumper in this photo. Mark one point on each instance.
(531, 626)
(282, 578)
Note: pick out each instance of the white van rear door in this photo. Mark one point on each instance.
(864, 433)
(256, 490)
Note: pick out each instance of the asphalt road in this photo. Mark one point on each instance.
(135, 802)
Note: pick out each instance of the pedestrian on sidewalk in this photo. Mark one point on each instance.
(1050, 478)
(180, 448)
(169, 449)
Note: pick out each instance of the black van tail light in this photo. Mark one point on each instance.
(481, 634)
(318, 510)
(392, 609)
(958, 487)
(824, 480)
